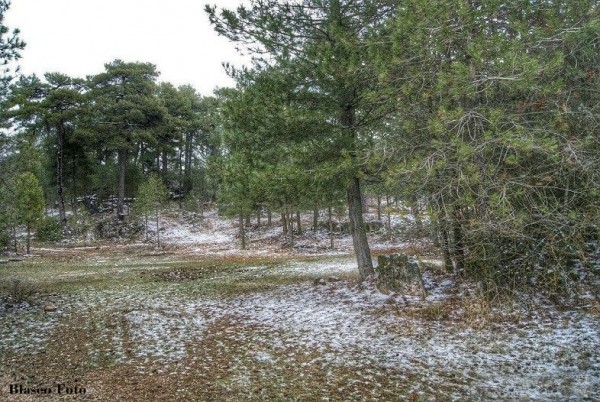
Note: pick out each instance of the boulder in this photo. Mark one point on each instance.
(50, 308)
(401, 274)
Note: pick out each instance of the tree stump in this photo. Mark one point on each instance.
(401, 274)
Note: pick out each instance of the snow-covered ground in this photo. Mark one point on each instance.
(552, 355)
(426, 349)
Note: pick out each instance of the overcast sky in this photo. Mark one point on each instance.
(77, 37)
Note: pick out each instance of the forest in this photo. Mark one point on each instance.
(482, 118)
(476, 122)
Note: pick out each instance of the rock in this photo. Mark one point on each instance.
(399, 273)
(50, 308)
(319, 281)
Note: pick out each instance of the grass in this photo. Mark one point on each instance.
(141, 326)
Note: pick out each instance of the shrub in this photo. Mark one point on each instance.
(49, 229)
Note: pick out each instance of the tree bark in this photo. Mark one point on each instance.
(446, 245)
(459, 251)
(284, 224)
(299, 223)
(330, 215)
(28, 237)
(122, 156)
(157, 228)
(242, 231)
(60, 179)
(355, 199)
(14, 230)
(187, 187)
(357, 228)
(164, 166)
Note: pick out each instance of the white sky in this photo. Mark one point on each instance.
(77, 37)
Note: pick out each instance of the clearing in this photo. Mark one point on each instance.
(201, 320)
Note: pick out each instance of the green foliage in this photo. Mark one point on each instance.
(498, 149)
(151, 195)
(10, 48)
(29, 199)
(49, 229)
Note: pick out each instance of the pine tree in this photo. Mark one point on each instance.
(151, 197)
(30, 202)
(127, 110)
(326, 45)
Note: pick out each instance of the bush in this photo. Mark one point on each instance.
(18, 290)
(49, 229)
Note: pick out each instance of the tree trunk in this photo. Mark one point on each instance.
(330, 215)
(459, 251)
(357, 228)
(242, 231)
(180, 177)
(28, 237)
(60, 180)
(291, 228)
(146, 225)
(389, 216)
(446, 245)
(14, 230)
(188, 163)
(157, 227)
(164, 167)
(122, 156)
(299, 223)
(355, 199)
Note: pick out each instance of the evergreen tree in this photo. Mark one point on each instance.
(151, 197)
(10, 48)
(327, 46)
(127, 112)
(29, 197)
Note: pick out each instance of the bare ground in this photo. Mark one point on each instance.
(202, 320)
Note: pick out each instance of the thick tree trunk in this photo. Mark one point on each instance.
(122, 156)
(60, 179)
(355, 200)
(357, 228)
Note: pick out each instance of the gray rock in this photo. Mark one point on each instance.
(401, 274)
